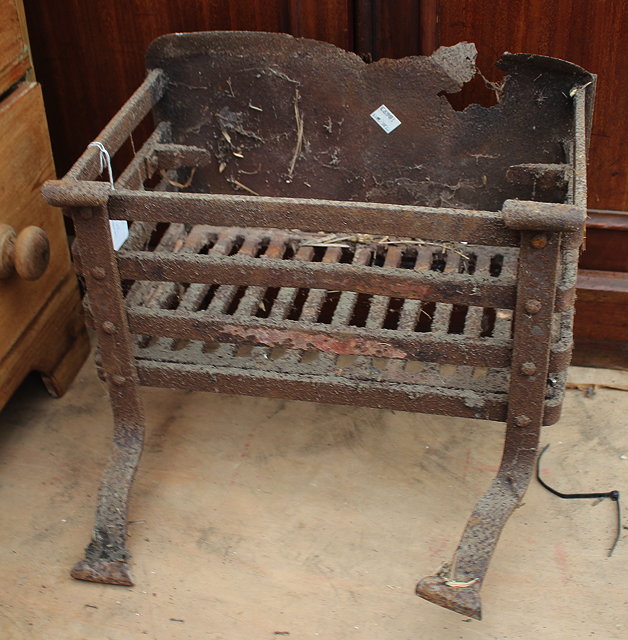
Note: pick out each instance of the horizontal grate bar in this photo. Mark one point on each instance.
(331, 389)
(460, 350)
(456, 225)
(454, 288)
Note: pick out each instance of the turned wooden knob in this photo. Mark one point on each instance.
(27, 253)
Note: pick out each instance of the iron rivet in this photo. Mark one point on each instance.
(98, 273)
(108, 327)
(528, 368)
(86, 214)
(118, 380)
(522, 421)
(532, 306)
(539, 241)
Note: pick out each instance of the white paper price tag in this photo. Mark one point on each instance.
(385, 118)
(119, 232)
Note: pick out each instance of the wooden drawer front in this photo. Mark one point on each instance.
(14, 60)
(25, 163)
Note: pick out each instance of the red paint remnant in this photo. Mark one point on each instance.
(304, 341)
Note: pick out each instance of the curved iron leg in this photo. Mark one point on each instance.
(536, 288)
(106, 556)
(459, 590)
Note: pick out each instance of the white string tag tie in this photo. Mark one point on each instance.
(119, 228)
(105, 160)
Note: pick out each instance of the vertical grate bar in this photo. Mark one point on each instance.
(473, 321)
(316, 297)
(281, 308)
(408, 317)
(442, 311)
(225, 294)
(379, 304)
(286, 295)
(346, 303)
(254, 295)
(504, 317)
(313, 305)
(196, 293)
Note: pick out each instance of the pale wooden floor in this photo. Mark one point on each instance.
(260, 519)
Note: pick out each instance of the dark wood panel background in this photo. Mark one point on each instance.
(591, 33)
(89, 58)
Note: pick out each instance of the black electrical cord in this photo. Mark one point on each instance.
(613, 495)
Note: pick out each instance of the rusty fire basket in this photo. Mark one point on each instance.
(301, 243)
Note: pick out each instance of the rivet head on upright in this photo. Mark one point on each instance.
(532, 306)
(108, 327)
(539, 241)
(528, 368)
(522, 421)
(98, 273)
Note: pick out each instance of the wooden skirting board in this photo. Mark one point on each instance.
(601, 328)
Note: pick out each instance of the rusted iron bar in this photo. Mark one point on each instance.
(454, 225)
(316, 296)
(378, 308)
(495, 381)
(225, 295)
(339, 340)
(473, 320)
(286, 295)
(195, 293)
(87, 167)
(173, 156)
(76, 193)
(348, 299)
(321, 388)
(279, 311)
(459, 590)
(543, 216)
(106, 556)
(379, 304)
(140, 233)
(580, 148)
(141, 166)
(409, 314)
(442, 311)
(253, 296)
(455, 288)
(144, 292)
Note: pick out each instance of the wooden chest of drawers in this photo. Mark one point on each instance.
(41, 325)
